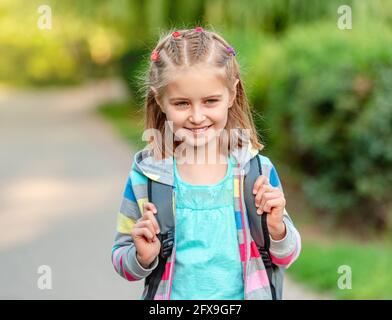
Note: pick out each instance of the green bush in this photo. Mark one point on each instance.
(319, 266)
(77, 47)
(133, 65)
(325, 95)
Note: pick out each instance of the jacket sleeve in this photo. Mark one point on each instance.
(285, 251)
(124, 251)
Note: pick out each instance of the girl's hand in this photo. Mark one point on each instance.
(144, 236)
(271, 200)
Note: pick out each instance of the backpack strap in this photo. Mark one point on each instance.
(258, 223)
(162, 197)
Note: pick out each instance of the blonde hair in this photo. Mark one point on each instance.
(186, 48)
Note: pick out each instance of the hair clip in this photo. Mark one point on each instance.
(176, 34)
(199, 29)
(231, 50)
(154, 56)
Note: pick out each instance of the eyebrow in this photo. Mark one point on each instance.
(216, 96)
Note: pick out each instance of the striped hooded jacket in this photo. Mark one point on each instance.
(256, 285)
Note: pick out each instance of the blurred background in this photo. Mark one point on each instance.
(71, 118)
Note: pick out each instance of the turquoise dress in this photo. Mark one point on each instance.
(208, 264)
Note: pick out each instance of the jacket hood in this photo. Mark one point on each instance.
(162, 170)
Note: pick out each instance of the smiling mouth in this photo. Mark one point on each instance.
(199, 130)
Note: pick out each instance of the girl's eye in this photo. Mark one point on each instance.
(181, 104)
(184, 104)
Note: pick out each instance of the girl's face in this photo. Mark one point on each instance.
(197, 101)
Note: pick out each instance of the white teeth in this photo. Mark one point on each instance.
(199, 130)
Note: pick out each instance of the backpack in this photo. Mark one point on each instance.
(161, 195)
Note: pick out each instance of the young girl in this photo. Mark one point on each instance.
(195, 94)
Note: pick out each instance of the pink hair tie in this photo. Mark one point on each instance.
(176, 34)
(154, 56)
(231, 50)
(199, 29)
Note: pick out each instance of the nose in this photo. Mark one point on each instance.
(197, 116)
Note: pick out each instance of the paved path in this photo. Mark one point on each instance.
(63, 170)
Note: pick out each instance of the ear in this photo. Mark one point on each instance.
(234, 93)
(156, 96)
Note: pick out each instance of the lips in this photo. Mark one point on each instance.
(199, 129)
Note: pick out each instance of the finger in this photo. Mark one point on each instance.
(149, 206)
(147, 234)
(273, 203)
(149, 215)
(267, 196)
(258, 197)
(263, 189)
(147, 224)
(259, 182)
(144, 232)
